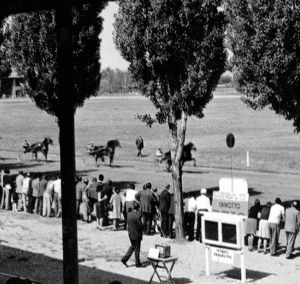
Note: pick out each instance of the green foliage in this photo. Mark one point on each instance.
(265, 39)
(176, 51)
(34, 53)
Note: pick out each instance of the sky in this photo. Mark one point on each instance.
(110, 56)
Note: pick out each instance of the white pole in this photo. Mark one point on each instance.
(247, 158)
(243, 269)
(207, 260)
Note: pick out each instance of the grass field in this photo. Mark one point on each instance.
(271, 144)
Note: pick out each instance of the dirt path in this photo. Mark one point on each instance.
(31, 246)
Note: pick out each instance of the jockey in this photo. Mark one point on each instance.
(158, 153)
(25, 145)
(90, 146)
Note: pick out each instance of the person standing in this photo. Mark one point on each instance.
(171, 215)
(36, 192)
(30, 203)
(116, 203)
(19, 186)
(43, 185)
(203, 205)
(146, 198)
(86, 202)
(48, 197)
(164, 206)
(25, 188)
(263, 231)
(190, 207)
(129, 198)
(154, 209)
(93, 192)
(6, 191)
(100, 206)
(276, 214)
(107, 191)
(135, 233)
(56, 194)
(292, 223)
(251, 223)
(139, 142)
(79, 190)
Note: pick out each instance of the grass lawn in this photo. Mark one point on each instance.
(271, 144)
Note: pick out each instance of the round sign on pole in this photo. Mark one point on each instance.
(230, 140)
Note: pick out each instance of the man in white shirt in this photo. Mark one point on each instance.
(276, 214)
(129, 198)
(190, 207)
(203, 205)
(57, 196)
(19, 187)
(25, 188)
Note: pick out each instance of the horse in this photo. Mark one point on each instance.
(42, 147)
(186, 155)
(102, 151)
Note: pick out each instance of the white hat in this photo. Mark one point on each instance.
(203, 191)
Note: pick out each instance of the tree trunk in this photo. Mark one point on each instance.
(67, 144)
(177, 143)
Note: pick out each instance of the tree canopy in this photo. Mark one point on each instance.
(177, 55)
(265, 39)
(33, 44)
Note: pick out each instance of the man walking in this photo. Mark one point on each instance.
(292, 223)
(276, 214)
(135, 232)
(164, 206)
(139, 142)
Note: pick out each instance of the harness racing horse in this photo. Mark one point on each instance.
(186, 155)
(101, 151)
(42, 147)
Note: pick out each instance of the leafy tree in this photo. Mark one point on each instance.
(5, 67)
(265, 39)
(34, 53)
(176, 54)
(116, 81)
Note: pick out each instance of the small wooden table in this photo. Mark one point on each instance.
(162, 263)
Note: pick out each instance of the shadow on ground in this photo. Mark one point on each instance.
(251, 275)
(44, 269)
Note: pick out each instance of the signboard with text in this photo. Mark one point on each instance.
(233, 203)
(222, 255)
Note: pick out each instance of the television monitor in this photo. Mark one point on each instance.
(223, 230)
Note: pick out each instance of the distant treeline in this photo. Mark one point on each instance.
(118, 81)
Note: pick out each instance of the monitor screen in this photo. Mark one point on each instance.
(229, 233)
(211, 230)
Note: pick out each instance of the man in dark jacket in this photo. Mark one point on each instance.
(164, 206)
(146, 198)
(135, 233)
(139, 142)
